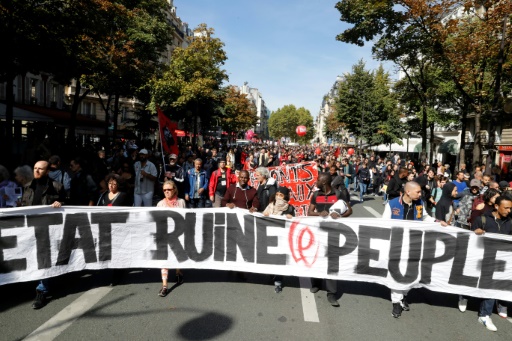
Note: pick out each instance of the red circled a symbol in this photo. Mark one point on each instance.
(296, 237)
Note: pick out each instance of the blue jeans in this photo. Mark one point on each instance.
(486, 307)
(197, 203)
(347, 182)
(362, 189)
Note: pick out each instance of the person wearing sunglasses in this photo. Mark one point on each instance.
(171, 201)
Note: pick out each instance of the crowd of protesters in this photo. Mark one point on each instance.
(135, 174)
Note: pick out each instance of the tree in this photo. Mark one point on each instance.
(239, 113)
(366, 106)
(427, 97)
(388, 129)
(353, 104)
(131, 57)
(333, 127)
(465, 37)
(284, 121)
(191, 86)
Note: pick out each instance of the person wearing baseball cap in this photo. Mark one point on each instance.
(475, 183)
(145, 177)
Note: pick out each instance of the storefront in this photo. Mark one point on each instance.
(505, 156)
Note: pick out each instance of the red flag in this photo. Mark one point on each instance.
(168, 133)
(337, 152)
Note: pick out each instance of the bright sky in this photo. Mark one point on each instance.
(287, 49)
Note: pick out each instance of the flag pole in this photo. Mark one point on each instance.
(160, 137)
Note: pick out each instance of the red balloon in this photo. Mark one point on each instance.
(318, 151)
(351, 151)
(301, 130)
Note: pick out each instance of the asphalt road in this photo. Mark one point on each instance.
(217, 305)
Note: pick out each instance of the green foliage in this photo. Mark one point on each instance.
(239, 113)
(367, 107)
(191, 86)
(471, 49)
(284, 121)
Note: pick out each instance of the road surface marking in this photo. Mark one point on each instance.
(374, 212)
(62, 320)
(308, 301)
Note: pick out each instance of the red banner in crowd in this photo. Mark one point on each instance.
(300, 178)
(168, 133)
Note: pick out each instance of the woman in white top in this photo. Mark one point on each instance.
(171, 200)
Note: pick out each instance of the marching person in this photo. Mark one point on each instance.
(498, 221)
(176, 173)
(267, 186)
(321, 202)
(409, 206)
(444, 207)
(220, 181)
(83, 190)
(115, 196)
(170, 200)
(42, 191)
(396, 184)
(241, 195)
(145, 177)
(363, 179)
(278, 205)
(196, 185)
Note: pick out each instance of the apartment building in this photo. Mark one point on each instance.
(263, 113)
(44, 104)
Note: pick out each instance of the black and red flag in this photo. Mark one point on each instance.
(168, 133)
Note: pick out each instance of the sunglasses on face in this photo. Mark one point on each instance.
(168, 189)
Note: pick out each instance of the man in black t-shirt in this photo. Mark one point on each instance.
(321, 202)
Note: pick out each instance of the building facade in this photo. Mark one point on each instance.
(263, 113)
(40, 100)
(327, 108)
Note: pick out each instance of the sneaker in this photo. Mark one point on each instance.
(502, 310)
(179, 278)
(40, 300)
(278, 289)
(463, 304)
(487, 322)
(405, 304)
(397, 310)
(333, 301)
(163, 292)
(314, 290)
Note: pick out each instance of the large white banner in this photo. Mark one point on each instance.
(41, 242)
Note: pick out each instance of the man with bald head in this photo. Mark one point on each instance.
(408, 206)
(42, 191)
